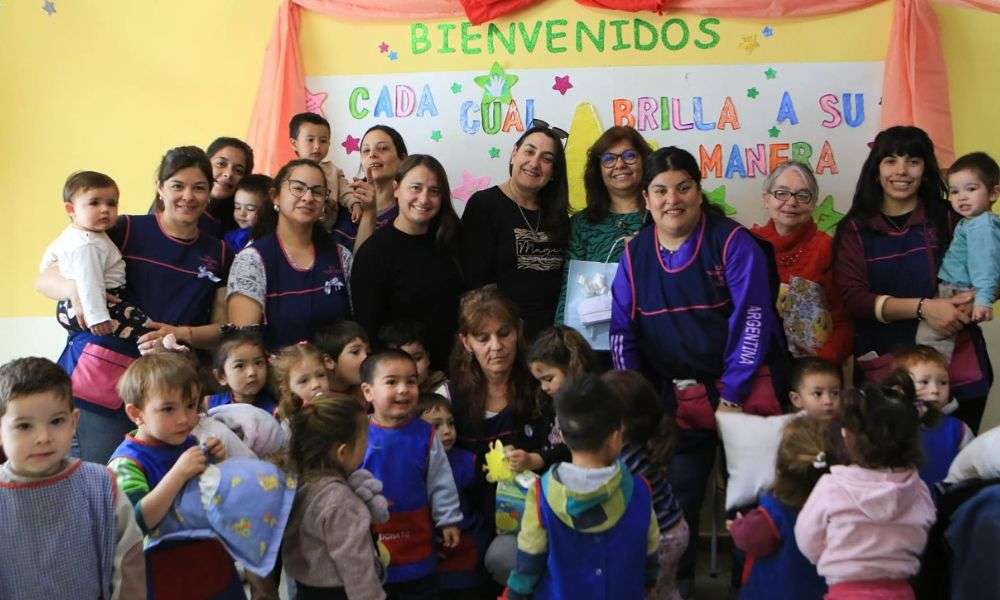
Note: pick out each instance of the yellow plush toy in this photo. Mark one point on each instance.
(496, 466)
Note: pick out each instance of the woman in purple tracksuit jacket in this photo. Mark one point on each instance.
(693, 309)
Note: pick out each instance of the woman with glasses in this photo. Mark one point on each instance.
(809, 304)
(514, 234)
(693, 309)
(291, 281)
(615, 209)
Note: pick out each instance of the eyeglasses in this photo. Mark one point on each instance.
(608, 159)
(299, 189)
(801, 197)
(559, 133)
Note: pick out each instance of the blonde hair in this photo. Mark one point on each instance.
(319, 428)
(908, 358)
(805, 454)
(160, 371)
(282, 364)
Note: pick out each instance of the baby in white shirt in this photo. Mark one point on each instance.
(85, 254)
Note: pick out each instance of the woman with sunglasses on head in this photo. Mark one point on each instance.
(290, 280)
(809, 303)
(615, 209)
(514, 234)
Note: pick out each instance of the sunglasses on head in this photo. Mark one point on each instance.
(540, 124)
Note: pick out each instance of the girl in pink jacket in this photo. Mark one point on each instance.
(865, 525)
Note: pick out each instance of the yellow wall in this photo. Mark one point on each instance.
(110, 84)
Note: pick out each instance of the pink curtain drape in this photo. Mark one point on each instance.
(915, 90)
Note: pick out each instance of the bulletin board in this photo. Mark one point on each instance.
(733, 93)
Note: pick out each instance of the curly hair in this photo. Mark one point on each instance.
(282, 364)
(883, 425)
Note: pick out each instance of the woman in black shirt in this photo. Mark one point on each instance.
(409, 271)
(515, 233)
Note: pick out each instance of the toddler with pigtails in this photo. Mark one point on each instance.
(775, 568)
(329, 547)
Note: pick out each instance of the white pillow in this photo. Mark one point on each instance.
(751, 444)
(980, 459)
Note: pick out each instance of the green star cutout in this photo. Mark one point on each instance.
(496, 84)
(752, 93)
(718, 198)
(436, 135)
(773, 132)
(456, 88)
(770, 73)
(494, 152)
(826, 216)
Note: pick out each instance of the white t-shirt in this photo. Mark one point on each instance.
(93, 262)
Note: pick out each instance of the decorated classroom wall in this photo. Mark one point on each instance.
(110, 84)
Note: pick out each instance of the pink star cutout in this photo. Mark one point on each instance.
(383, 47)
(562, 84)
(351, 144)
(314, 102)
(470, 185)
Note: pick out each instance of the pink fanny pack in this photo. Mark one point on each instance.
(97, 373)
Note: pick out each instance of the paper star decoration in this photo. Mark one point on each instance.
(351, 143)
(749, 43)
(770, 73)
(494, 152)
(773, 132)
(456, 88)
(469, 186)
(752, 93)
(393, 55)
(49, 7)
(496, 84)
(767, 32)
(383, 48)
(436, 135)
(826, 217)
(314, 102)
(718, 198)
(562, 84)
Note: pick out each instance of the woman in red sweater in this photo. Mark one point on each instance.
(809, 304)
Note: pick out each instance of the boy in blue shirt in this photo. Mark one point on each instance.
(162, 394)
(588, 528)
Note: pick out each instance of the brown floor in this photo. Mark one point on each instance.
(707, 585)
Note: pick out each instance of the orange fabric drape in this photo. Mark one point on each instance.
(281, 92)
(915, 89)
(915, 85)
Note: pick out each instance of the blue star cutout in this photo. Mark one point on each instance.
(393, 55)
(767, 32)
(49, 7)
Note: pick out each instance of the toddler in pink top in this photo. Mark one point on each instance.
(865, 525)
